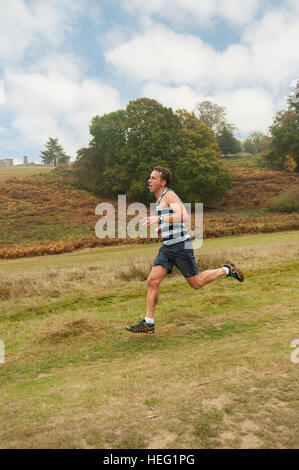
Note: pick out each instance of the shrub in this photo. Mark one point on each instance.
(287, 201)
(290, 164)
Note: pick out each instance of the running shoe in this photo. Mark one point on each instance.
(234, 271)
(142, 327)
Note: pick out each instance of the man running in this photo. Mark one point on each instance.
(171, 215)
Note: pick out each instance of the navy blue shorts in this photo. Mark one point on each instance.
(179, 256)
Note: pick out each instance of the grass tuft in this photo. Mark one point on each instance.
(287, 201)
(5, 292)
(135, 270)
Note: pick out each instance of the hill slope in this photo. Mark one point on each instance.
(253, 185)
(47, 213)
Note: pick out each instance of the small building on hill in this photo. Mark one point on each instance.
(30, 164)
(6, 162)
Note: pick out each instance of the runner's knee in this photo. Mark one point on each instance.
(153, 283)
(196, 285)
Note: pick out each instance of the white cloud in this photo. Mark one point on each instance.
(67, 65)
(2, 92)
(16, 28)
(53, 105)
(163, 55)
(273, 44)
(23, 24)
(250, 78)
(199, 11)
(181, 97)
(266, 56)
(247, 108)
(36, 128)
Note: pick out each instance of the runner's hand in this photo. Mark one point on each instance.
(153, 219)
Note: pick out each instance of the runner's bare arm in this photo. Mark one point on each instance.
(179, 212)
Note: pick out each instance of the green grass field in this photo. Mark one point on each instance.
(216, 374)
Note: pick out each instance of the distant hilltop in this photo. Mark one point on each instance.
(8, 162)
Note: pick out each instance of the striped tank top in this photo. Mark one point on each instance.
(171, 232)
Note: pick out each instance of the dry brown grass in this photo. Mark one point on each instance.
(48, 214)
(96, 277)
(203, 396)
(216, 374)
(255, 187)
(22, 172)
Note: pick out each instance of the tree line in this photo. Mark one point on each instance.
(126, 144)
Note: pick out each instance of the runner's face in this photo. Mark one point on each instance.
(155, 182)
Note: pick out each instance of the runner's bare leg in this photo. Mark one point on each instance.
(153, 281)
(210, 275)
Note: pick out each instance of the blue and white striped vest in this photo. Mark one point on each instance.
(171, 232)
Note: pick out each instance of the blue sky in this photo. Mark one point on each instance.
(62, 62)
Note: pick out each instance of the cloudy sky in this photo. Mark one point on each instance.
(64, 61)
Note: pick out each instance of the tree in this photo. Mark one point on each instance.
(95, 165)
(213, 116)
(128, 144)
(285, 138)
(285, 133)
(200, 175)
(257, 142)
(54, 153)
(227, 142)
(152, 138)
(249, 146)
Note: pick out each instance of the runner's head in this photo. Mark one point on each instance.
(160, 178)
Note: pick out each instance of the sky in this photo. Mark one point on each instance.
(64, 61)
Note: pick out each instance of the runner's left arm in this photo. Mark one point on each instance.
(179, 211)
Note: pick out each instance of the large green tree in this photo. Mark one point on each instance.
(200, 174)
(285, 138)
(152, 138)
(127, 144)
(54, 153)
(100, 166)
(214, 116)
(285, 133)
(256, 142)
(227, 142)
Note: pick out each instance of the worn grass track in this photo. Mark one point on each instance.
(217, 372)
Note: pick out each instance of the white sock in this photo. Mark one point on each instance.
(150, 321)
(226, 270)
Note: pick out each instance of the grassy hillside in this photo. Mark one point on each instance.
(47, 214)
(254, 186)
(44, 207)
(216, 374)
(21, 172)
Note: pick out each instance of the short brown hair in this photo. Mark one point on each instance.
(166, 174)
